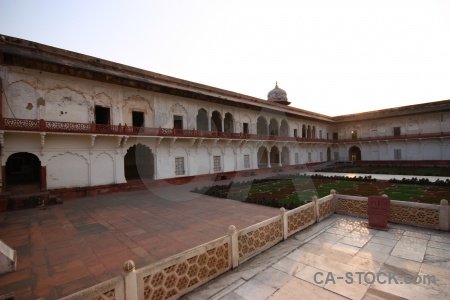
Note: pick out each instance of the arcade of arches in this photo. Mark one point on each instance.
(215, 124)
(276, 158)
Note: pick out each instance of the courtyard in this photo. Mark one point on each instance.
(66, 248)
(70, 247)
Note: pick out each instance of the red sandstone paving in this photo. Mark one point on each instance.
(69, 247)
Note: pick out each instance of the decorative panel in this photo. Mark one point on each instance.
(182, 276)
(300, 219)
(415, 216)
(259, 238)
(352, 207)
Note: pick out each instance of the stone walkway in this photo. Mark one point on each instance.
(69, 247)
(326, 261)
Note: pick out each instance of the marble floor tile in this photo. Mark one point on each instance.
(373, 255)
(419, 235)
(368, 265)
(444, 238)
(300, 289)
(331, 236)
(439, 245)
(289, 266)
(383, 241)
(339, 230)
(254, 289)
(273, 277)
(437, 261)
(439, 272)
(401, 266)
(336, 255)
(345, 248)
(438, 252)
(412, 243)
(356, 239)
(322, 242)
(232, 296)
(407, 291)
(352, 291)
(408, 254)
(313, 275)
(377, 248)
(313, 248)
(392, 233)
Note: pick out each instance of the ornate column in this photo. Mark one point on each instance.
(209, 121)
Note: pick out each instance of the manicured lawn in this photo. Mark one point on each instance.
(296, 191)
(418, 171)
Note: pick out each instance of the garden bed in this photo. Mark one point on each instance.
(290, 191)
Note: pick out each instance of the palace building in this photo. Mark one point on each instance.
(72, 121)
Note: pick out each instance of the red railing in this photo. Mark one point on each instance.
(70, 127)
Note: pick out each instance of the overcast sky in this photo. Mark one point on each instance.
(332, 57)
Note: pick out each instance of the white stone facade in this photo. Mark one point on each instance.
(89, 154)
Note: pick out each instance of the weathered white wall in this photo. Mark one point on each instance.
(85, 160)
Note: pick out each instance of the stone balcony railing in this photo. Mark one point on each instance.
(181, 273)
(92, 128)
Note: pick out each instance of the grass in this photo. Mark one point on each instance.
(293, 192)
(419, 171)
(405, 192)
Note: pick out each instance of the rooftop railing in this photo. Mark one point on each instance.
(93, 128)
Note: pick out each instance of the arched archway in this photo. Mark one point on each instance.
(262, 157)
(328, 154)
(273, 127)
(284, 128)
(261, 126)
(202, 120)
(23, 168)
(308, 132)
(313, 134)
(139, 163)
(285, 156)
(303, 131)
(354, 153)
(228, 123)
(274, 156)
(216, 121)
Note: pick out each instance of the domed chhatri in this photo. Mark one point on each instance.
(278, 95)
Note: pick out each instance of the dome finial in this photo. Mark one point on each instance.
(278, 95)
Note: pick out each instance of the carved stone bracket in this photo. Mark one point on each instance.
(121, 143)
(212, 145)
(235, 150)
(191, 146)
(171, 145)
(42, 142)
(158, 141)
(241, 143)
(281, 144)
(199, 144)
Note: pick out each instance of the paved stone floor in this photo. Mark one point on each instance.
(84, 241)
(342, 246)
